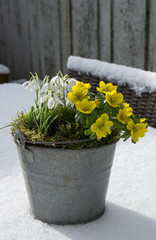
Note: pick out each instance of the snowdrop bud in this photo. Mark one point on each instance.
(50, 103)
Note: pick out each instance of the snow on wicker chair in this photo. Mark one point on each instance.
(138, 86)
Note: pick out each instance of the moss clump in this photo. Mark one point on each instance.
(113, 137)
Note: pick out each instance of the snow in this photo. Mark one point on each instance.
(21, 81)
(4, 69)
(130, 207)
(138, 80)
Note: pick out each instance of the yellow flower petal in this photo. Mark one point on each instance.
(93, 127)
(142, 120)
(99, 121)
(99, 133)
(109, 124)
(119, 97)
(97, 102)
(130, 125)
(108, 131)
(104, 117)
(102, 84)
(134, 137)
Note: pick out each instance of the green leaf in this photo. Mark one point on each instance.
(45, 123)
(86, 126)
(127, 137)
(78, 116)
(87, 132)
(82, 121)
(93, 136)
(51, 123)
(37, 125)
(87, 120)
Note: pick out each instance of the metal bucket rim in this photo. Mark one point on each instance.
(56, 148)
(20, 139)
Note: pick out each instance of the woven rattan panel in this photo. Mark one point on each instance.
(144, 105)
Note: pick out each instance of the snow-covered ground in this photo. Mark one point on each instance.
(131, 200)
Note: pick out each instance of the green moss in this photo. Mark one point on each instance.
(113, 137)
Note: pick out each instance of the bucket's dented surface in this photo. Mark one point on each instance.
(65, 186)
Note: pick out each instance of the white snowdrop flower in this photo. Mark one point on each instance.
(45, 87)
(48, 87)
(31, 85)
(57, 80)
(54, 101)
(51, 103)
(70, 83)
(52, 97)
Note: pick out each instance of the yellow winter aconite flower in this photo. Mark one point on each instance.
(103, 88)
(85, 106)
(113, 98)
(102, 126)
(83, 85)
(124, 114)
(97, 102)
(126, 105)
(136, 130)
(79, 92)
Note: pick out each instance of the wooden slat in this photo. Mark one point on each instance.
(49, 37)
(104, 46)
(25, 37)
(2, 35)
(8, 35)
(20, 40)
(84, 28)
(152, 37)
(34, 37)
(65, 33)
(15, 35)
(129, 32)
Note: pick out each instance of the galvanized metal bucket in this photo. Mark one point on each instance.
(65, 186)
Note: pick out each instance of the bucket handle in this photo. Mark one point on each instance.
(20, 141)
(19, 138)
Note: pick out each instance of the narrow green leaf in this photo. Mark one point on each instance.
(93, 136)
(51, 123)
(88, 132)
